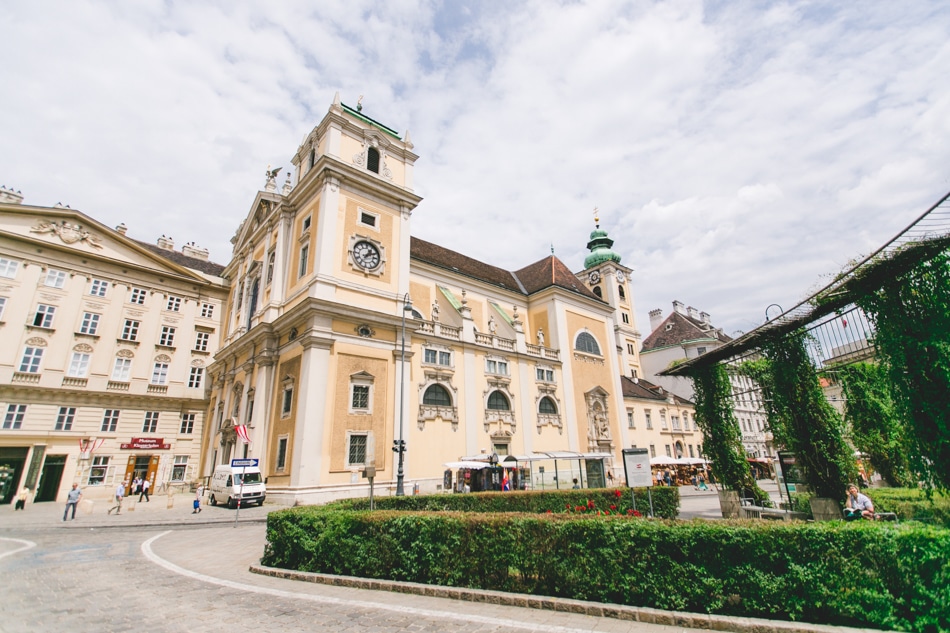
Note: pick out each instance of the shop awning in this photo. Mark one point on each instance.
(467, 464)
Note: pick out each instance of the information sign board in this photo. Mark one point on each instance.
(636, 466)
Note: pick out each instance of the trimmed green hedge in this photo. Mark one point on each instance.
(665, 501)
(853, 574)
(912, 504)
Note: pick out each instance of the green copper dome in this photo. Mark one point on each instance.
(599, 246)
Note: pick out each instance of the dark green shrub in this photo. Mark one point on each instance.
(853, 574)
(912, 504)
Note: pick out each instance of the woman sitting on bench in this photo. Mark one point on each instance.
(857, 505)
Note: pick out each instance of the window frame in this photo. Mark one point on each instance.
(150, 422)
(43, 317)
(31, 359)
(79, 365)
(202, 341)
(167, 336)
(434, 388)
(159, 374)
(187, 425)
(196, 377)
(207, 310)
(351, 446)
(550, 403)
(9, 268)
(13, 420)
(90, 323)
(98, 470)
(126, 364)
(98, 287)
(137, 295)
(174, 303)
(493, 398)
(591, 346)
(65, 418)
(130, 330)
(110, 420)
(55, 278)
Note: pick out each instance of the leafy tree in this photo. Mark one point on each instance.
(911, 314)
(722, 437)
(876, 427)
(801, 418)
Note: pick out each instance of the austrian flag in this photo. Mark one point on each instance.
(241, 430)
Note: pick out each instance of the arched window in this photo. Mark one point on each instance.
(623, 295)
(438, 396)
(598, 292)
(546, 405)
(497, 401)
(372, 159)
(587, 343)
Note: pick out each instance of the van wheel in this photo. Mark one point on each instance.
(231, 503)
(261, 502)
(213, 501)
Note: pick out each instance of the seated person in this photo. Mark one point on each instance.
(857, 505)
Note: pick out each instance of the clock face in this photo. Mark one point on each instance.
(594, 277)
(620, 276)
(366, 255)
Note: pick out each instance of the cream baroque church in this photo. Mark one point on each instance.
(329, 288)
(333, 337)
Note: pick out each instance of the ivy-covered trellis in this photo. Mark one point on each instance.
(902, 291)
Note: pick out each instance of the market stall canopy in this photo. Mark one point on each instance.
(467, 464)
(534, 457)
(662, 461)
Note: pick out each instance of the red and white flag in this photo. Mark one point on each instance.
(241, 430)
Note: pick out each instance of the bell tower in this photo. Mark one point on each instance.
(610, 280)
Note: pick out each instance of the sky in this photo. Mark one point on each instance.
(739, 153)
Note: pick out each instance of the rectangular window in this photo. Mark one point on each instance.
(194, 378)
(647, 415)
(167, 338)
(271, 261)
(445, 359)
(663, 418)
(97, 474)
(110, 420)
(691, 451)
(14, 417)
(630, 349)
(360, 399)
(78, 365)
(544, 375)
(201, 341)
(302, 267)
(150, 424)
(496, 367)
(3, 306)
(287, 401)
(64, 419)
(669, 453)
(130, 331)
(98, 288)
(90, 323)
(207, 310)
(676, 422)
(282, 453)
(430, 356)
(44, 316)
(179, 468)
(652, 450)
(700, 351)
(122, 369)
(306, 222)
(187, 423)
(174, 303)
(55, 278)
(31, 360)
(630, 422)
(138, 296)
(625, 317)
(159, 373)
(8, 268)
(368, 219)
(356, 452)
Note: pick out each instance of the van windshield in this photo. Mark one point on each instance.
(249, 478)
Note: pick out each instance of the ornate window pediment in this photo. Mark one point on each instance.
(438, 399)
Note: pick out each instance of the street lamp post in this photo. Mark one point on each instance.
(399, 446)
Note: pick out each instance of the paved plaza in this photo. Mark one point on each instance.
(162, 569)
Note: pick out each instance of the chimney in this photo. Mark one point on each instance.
(693, 313)
(168, 243)
(191, 250)
(679, 307)
(656, 317)
(9, 196)
(121, 229)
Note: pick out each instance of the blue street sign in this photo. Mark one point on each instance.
(244, 463)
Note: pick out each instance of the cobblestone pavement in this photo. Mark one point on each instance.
(162, 569)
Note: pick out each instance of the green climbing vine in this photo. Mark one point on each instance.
(722, 437)
(911, 314)
(875, 424)
(800, 417)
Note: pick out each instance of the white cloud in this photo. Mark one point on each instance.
(736, 152)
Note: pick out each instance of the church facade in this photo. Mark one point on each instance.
(344, 335)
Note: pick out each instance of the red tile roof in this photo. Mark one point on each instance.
(677, 329)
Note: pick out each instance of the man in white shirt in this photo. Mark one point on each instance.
(119, 494)
(146, 484)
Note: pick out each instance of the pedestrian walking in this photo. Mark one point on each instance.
(21, 499)
(136, 486)
(72, 499)
(200, 491)
(146, 484)
(119, 494)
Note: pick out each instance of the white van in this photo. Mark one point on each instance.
(226, 486)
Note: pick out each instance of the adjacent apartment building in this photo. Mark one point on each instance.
(107, 341)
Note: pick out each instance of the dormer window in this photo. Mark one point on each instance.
(372, 159)
(669, 326)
